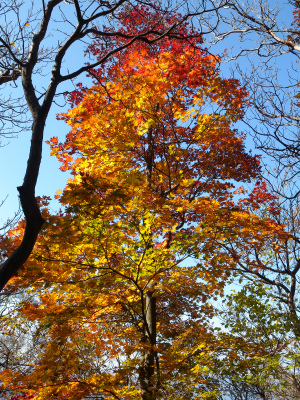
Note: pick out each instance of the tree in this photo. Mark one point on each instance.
(24, 53)
(274, 263)
(254, 315)
(261, 319)
(265, 56)
(119, 284)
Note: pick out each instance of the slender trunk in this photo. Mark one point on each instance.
(146, 375)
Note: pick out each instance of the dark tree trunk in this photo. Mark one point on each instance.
(146, 375)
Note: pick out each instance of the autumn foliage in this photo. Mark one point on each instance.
(118, 293)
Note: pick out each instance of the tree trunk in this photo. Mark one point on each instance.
(146, 375)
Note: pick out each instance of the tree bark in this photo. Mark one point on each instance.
(146, 375)
(34, 220)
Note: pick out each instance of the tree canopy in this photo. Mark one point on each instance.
(170, 271)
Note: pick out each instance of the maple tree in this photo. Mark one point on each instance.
(117, 292)
(26, 52)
